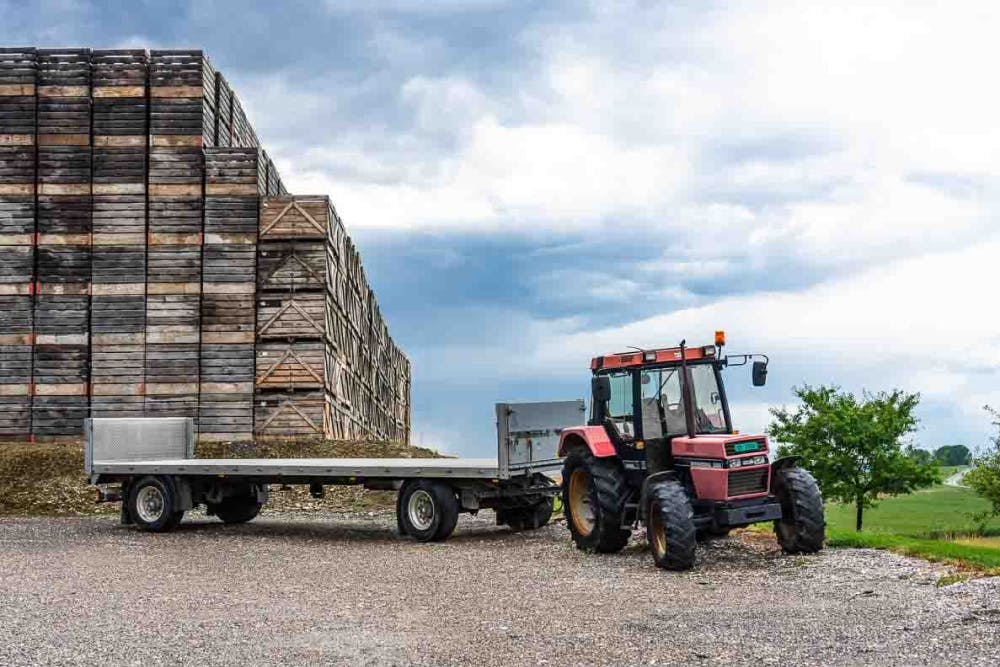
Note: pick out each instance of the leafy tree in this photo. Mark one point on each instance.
(854, 447)
(923, 456)
(984, 478)
(953, 455)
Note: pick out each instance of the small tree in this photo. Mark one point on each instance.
(984, 478)
(953, 455)
(854, 447)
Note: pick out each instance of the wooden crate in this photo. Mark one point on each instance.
(287, 366)
(182, 98)
(165, 405)
(173, 318)
(64, 97)
(15, 417)
(117, 365)
(171, 369)
(298, 316)
(129, 405)
(58, 417)
(119, 220)
(16, 313)
(18, 103)
(61, 370)
(120, 106)
(292, 266)
(17, 217)
(61, 316)
(117, 312)
(289, 413)
(226, 416)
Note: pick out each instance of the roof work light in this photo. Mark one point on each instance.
(720, 338)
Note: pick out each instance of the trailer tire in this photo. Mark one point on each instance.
(532, 517)
(236, 509)
(802, 526)
(593, 495)
(670, 527)
(151, 503)
(427, 510)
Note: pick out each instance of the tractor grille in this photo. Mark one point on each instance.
(731, 447)
(742, 482)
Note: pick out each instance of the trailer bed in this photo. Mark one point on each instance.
(461, 468)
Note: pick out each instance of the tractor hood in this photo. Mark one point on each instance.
(718, 446)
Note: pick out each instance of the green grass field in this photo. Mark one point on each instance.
(940, 512)
(933, 523)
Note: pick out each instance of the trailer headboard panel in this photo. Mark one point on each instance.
(528, 434)
(138, 439)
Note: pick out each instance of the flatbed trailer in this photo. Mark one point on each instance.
(158, 479)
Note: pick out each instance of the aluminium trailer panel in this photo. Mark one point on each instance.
(305, 468)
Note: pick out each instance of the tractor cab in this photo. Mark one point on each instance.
(646, 398)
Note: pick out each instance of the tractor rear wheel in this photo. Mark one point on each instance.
(670, 527)
(593, 494)
(802, 526)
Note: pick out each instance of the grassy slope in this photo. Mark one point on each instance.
(48, 479)
(921, 524)
(937, 512)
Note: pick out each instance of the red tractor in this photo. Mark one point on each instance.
(660, 449)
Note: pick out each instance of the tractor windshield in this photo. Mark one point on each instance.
(663, 404)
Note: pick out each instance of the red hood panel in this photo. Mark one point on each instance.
(712, 446)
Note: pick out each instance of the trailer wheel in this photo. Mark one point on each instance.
(593, 494)
(151, 503)
(670, 527)
(427, 510)
(532, 517)
(236, 509)
(802, 526)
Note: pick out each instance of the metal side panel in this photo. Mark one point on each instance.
(138, 439)
(528, 434)
(311, 468)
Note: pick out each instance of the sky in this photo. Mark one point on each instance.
(533, 184)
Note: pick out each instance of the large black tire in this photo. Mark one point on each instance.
(237, 509)
(528, 518)
(594, 494)
(152, 504)
(670, 526)
(802, 527)
(427, 510)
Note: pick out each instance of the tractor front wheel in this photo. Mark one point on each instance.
(670, 527)
(802, 526)
(593, 494)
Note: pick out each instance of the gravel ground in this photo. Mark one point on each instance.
(343, 589)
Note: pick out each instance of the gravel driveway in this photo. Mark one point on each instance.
(343, 589)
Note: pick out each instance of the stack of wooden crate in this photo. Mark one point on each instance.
(131, 190)
(229, 283)
(316, 314)
(63, 247)
(18, 73)
(118, 269)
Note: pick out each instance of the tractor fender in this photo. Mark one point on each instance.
(647, 484)
(594, 438)
(781, 464)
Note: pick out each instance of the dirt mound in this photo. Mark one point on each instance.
(48, 480)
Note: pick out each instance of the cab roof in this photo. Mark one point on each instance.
(636, 358)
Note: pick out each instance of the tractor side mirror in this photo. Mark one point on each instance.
(759, 373)
(601, 389)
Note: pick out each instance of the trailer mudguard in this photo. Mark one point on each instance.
(594, 438)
